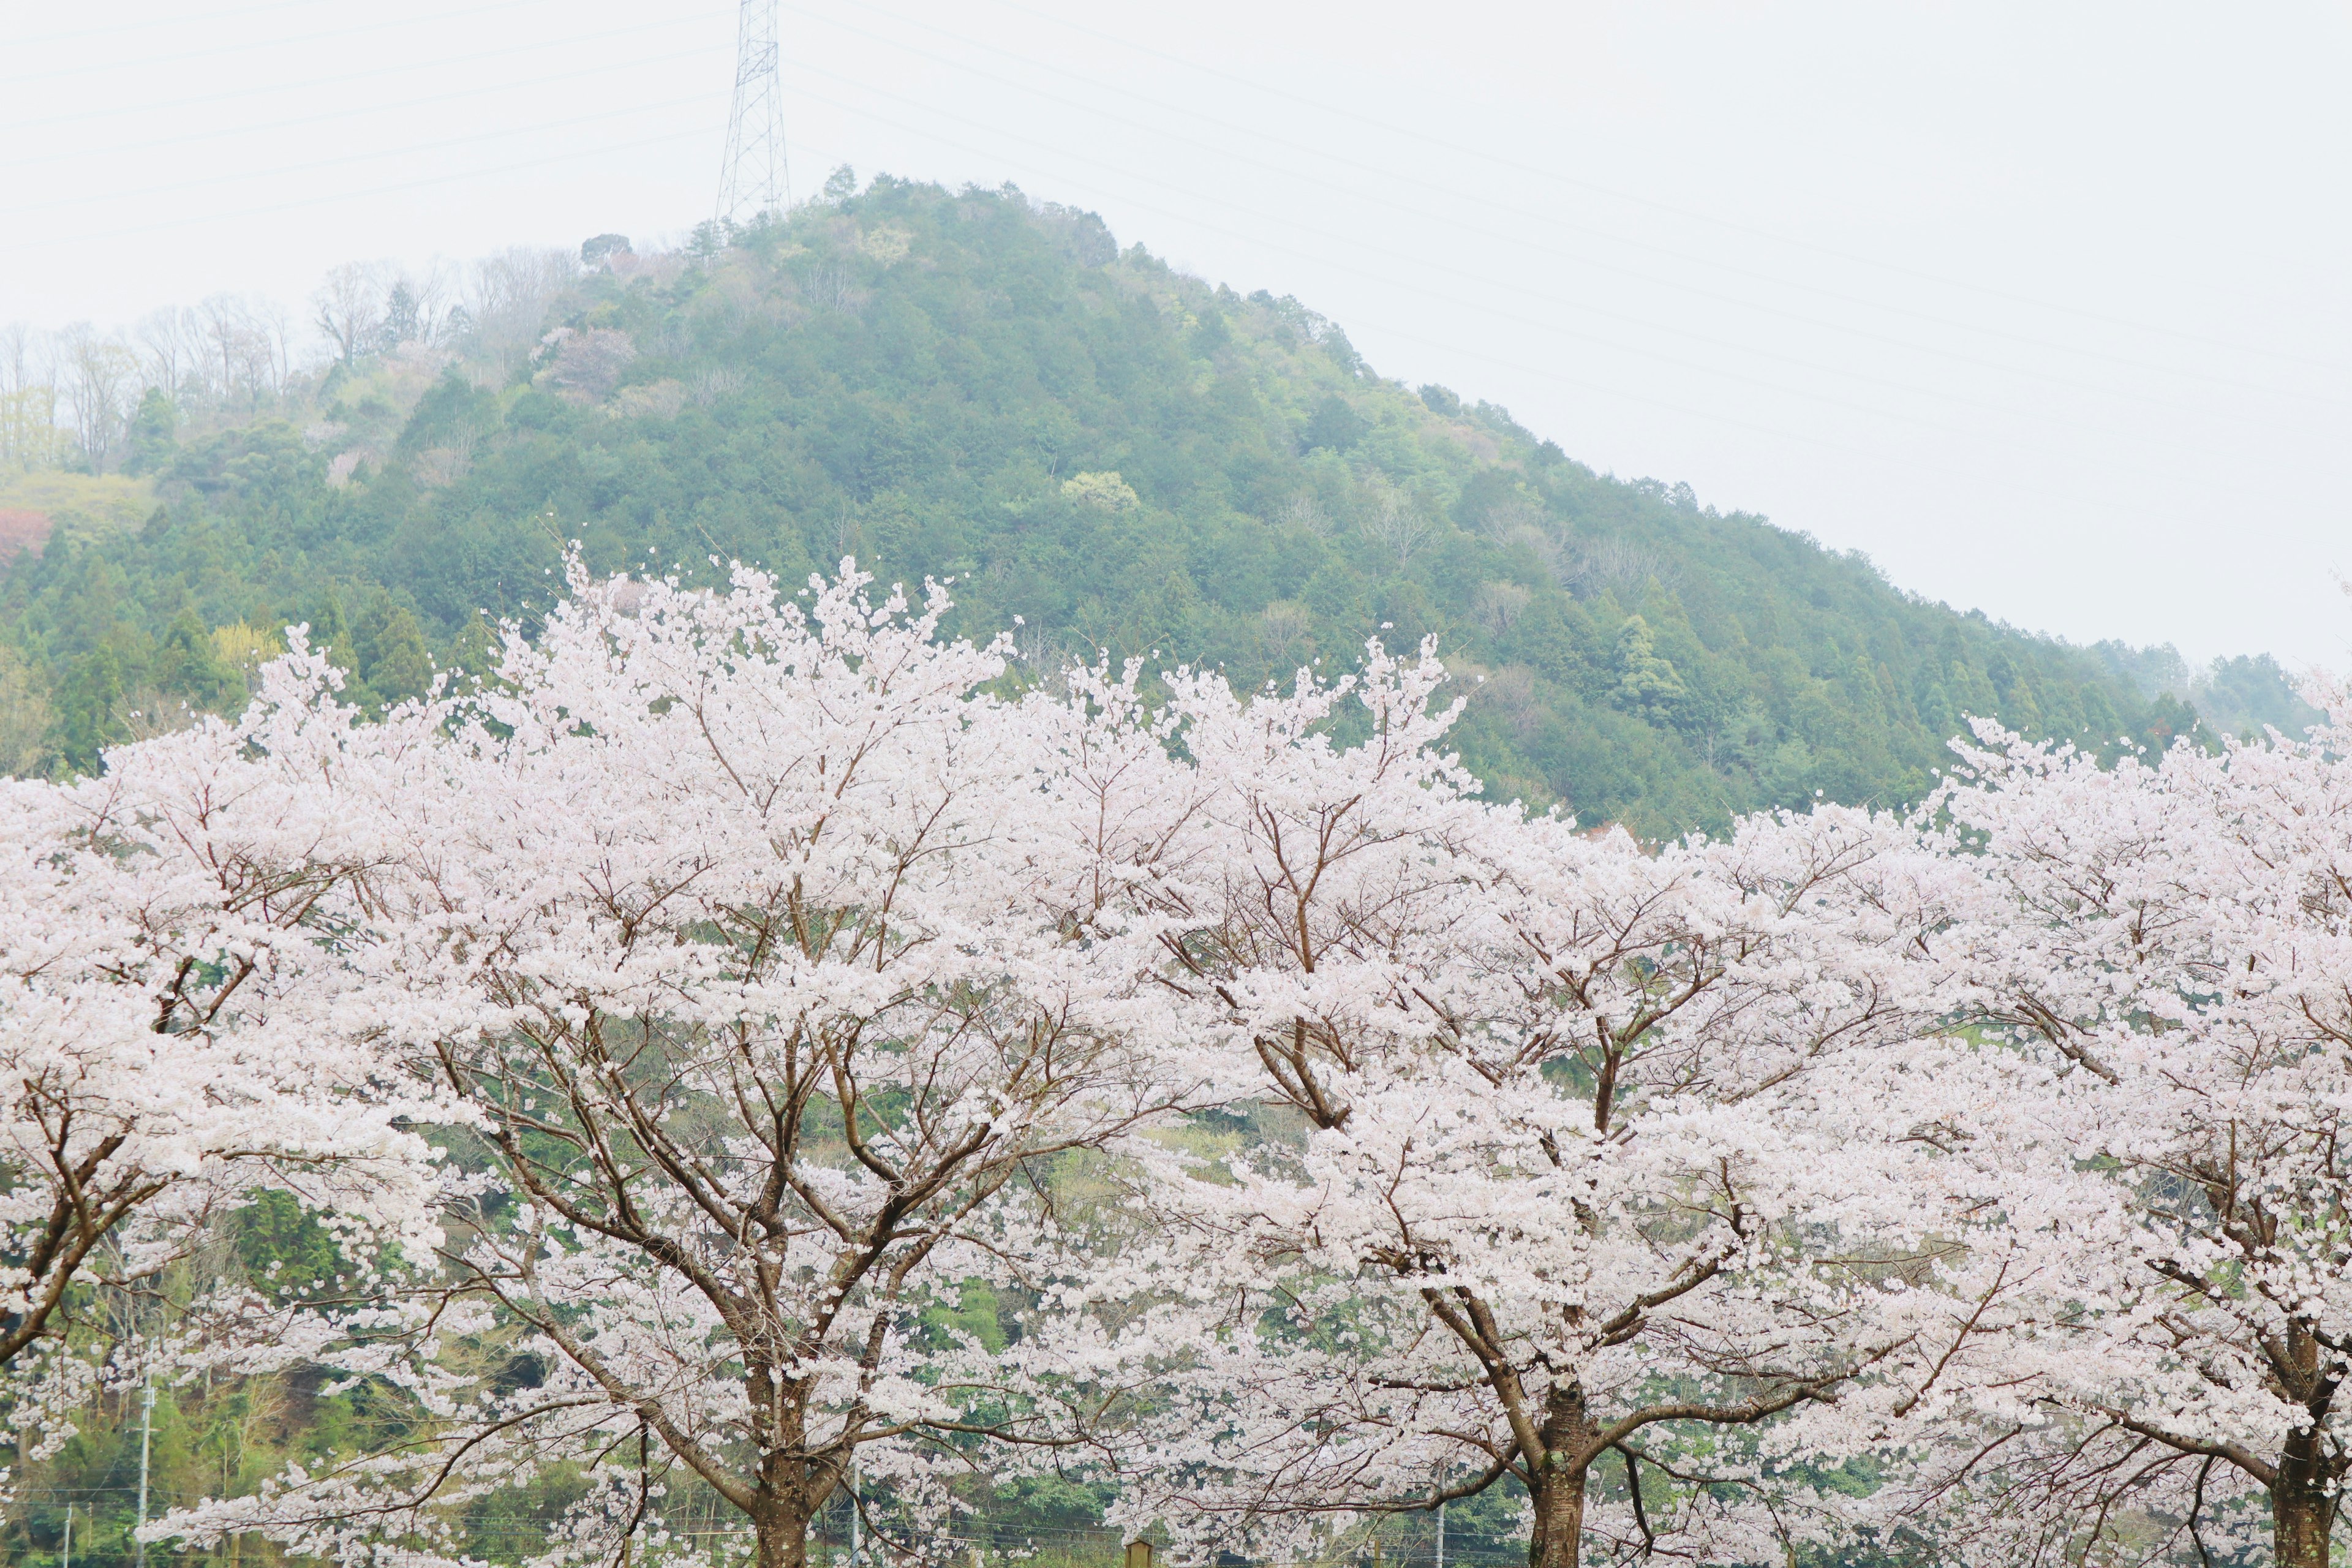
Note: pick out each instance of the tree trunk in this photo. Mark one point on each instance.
(792, 1485)
(1559, 1520)
(1559, 1490)
(782, 1536)
(783, 1511)
(2303, 1509)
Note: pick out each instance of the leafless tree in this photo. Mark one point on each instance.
(1617, 564)
(1285, 630)
(1497, 604)
(170, 349)
(22, 362)
(832, 287)
(1396, 523)
(229, 332)
(1301, 511)
(507, 296)
(416, 309)
(102, 381)
(274, 337)
(1511, 692)
(439, 299)
(350, 306)
(716, 386)
(29, 398)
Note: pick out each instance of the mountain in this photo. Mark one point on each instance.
(977, 386)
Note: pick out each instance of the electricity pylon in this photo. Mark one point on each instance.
(755, 179)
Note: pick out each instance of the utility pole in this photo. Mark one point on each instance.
(146, 1438)
(65, 1560)
(854, 1557)
(1441, 1535)
(755, 179)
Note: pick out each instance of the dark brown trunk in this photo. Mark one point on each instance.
(1558, 1489)
(2303, 1509)
(781, 1533)
(792, 1491)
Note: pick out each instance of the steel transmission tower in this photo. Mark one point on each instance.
(755, 179)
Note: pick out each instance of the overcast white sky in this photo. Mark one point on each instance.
(2048, 309)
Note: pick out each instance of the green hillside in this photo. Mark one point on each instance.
(977, 386)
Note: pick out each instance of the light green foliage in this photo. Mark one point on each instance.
(2243, 696)
(1646, 684)
(24, 718)
(1104, 492)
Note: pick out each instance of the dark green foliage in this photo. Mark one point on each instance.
(187, 668)
(918, 379)
(1334, 427)
(283, 1248)
(402, 318)
(90, 710)
(397, 665)
(154, 433)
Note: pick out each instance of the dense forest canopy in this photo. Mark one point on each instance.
(976, 386)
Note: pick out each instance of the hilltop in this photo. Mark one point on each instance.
(977, 386)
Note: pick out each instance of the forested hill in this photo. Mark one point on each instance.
(979, 387)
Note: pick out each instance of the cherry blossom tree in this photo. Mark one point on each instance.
(769, 957)
(171, 946)
(770, 968)
(1569, 1153)
(2164, 950)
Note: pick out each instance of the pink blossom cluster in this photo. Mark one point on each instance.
(850, 1070)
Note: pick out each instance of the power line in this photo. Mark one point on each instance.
(1488, 154)
(243, 175)
(1258, 238)
(427, 182)
(486, 89)
(466, 13)
(758, 99)
(206, 19)
(256, 90)
(1631, 321)
(1543, 372)
(1540, 372)
(1648, 277)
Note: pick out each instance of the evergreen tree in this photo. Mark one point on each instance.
(1646, 684)
(155, 433)
(398, 665)
(89, 715)
(188, 664)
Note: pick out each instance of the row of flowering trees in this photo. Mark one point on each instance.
(680, 1027)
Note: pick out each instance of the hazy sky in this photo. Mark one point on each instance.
(2047, 309)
